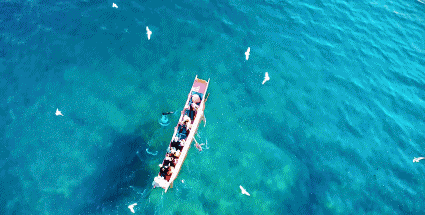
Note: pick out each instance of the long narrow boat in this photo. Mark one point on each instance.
(199, 87)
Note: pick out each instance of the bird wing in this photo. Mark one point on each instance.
(244, 191)
(131, 207)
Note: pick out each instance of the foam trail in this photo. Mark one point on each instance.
(137, 153)
(140, 191)
(176, 112)
(147, 150)
(206, 143)
(160, 207)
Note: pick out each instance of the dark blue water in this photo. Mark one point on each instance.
(334, 130)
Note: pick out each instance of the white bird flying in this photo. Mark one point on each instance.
(418, 159)
(149, 32)
(266, 77)
(114, 5)
(244, 191)
(247, 53)
(131, 207)
(58, 113)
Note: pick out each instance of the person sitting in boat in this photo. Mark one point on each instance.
(175, 153)
(183, 133)
(163, 172)
(184, 127)
(173, 158)
(170, 170)
(193, 105)
(176, 143)
(182, 142)
(169, 160)
(172, 150)
(196, 98)
(187, 121)
(191, 111)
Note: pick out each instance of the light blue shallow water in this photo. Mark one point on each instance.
(334, 131)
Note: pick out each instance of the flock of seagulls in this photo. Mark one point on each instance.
(247, 53)
(266, 78)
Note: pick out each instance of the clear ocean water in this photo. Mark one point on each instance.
(334, 130)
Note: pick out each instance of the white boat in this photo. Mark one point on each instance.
(199, 87)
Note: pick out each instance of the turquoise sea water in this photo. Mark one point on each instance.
(334, 131)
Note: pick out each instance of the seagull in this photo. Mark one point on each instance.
(244, 191)
(418, 159)
(131, 207)
(58, 113)
(114, 5)
(266, 77)
(149, 32)
(247, 53)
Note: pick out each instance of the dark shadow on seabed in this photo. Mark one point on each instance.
(119, 168)
(10, 186)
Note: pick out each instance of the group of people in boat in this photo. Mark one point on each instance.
(178, 141)
(171, 158)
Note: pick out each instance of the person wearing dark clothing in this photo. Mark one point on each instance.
(176, 154)
(183, 132)
(191, 112)
(181, 145)
(193, 105)
(170, 170)
(163, 171)
(169, 160)
(181, 128)
(168, 163)
(175, 143)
